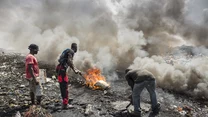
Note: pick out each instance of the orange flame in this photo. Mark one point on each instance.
(93, 75)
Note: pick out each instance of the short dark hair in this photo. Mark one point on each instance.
(73, 45)
(33, 47)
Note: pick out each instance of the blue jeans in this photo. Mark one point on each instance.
(138, 87)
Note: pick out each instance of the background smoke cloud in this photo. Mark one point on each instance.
(190, 78)
(113, 34)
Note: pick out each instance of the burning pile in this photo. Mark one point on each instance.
(95, 80)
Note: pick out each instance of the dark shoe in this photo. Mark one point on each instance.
(135, 114)
(67, 106)
(156, 110)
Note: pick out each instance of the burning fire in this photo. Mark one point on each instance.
(94, 76)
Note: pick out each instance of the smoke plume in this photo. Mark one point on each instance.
(113, 34)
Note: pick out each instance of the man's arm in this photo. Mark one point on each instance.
(130, 81)
(71, 64)
(31, 71)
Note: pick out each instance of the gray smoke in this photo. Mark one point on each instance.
(112, 34)
(161, 19)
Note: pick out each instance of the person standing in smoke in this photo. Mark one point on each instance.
(65, 60)
(139, 79)
(32, 74)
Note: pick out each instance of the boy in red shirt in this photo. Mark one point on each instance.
(32, 74)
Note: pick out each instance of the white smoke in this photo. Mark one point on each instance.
(111, 34)
(191, 77)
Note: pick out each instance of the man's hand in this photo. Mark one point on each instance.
(78, 72)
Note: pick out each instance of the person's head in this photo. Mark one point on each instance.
(127, 70)
(33, 48)
(74, 47)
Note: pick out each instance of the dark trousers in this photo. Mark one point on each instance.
(64, 91)
(138, 87)
(63, 83)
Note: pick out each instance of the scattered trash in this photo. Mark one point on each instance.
(186, 108)
(145, 107)
(102, 84)
(179, 109)
(37, 111)
(88, 110)
(120, 105)
(18, 114)
(3, 93)
(105, 92)
(173, 107)
(54, 77)
(185, 111)
(22, 86)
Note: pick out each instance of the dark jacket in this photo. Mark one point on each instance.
(138, 76)
(65, 60)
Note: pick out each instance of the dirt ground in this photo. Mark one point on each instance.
(14, 96)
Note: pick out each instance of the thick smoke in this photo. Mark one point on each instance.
(113, 34)
(188, 78)
(159, 20)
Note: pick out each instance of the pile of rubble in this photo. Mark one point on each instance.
(183, 55)
(183, 60)
(11, 74)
